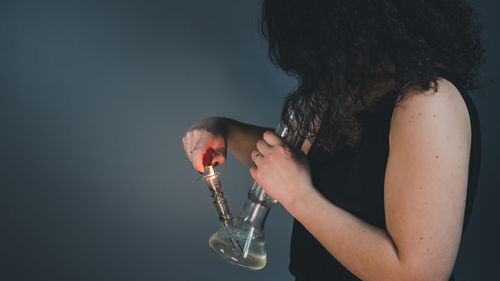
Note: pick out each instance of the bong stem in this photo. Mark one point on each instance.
(220, 203)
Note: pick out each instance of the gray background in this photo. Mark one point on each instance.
(94, 99)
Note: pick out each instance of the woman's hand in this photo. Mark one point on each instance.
(282, 173)
(205, 134)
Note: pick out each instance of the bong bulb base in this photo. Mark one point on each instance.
(250, 239)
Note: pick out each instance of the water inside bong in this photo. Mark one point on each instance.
(247, 253)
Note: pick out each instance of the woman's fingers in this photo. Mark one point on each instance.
(253, 172)
(269, 146)
(263, 146)
(187, 140)
(271, 138)
(257, 157)
(205, 134)
(196, 143)
(219, 158)
(185, 145)
(200, 147)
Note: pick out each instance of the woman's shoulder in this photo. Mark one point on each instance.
(425, 111)
(445, 91)
(444, 98)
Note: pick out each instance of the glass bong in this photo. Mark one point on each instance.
(240, 240)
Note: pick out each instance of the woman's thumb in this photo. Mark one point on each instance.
(219, 158)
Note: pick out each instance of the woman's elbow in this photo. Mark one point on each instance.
(425, 271)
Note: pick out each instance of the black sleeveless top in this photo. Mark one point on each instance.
(353, 179)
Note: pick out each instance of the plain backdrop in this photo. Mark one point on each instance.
(94, 99)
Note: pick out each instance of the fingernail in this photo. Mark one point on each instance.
(216, 164)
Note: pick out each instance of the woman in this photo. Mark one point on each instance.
(388, 184)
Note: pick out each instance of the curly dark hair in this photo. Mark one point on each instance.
(342, 50)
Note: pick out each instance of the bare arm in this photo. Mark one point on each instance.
(424, 197)
(241, 139)
(222, 134)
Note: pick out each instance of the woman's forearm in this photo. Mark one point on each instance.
(241, 138)
(367, 251)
